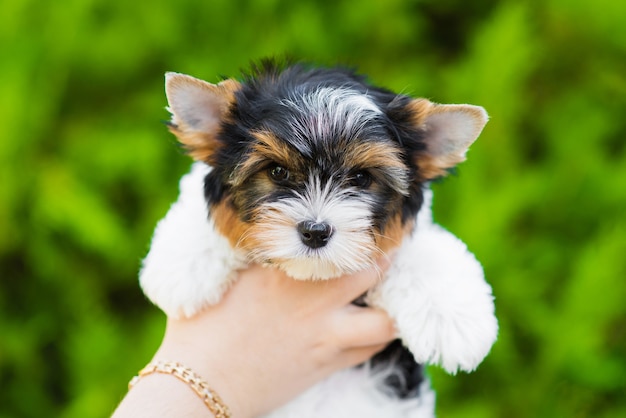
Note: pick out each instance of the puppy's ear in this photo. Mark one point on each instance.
(448, 130)
(197, 109)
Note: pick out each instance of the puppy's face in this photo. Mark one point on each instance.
(315, 171)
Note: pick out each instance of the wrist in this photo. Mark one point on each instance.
(192, 380)
(208, 363)
(158, 395)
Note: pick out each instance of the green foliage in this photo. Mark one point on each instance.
(86, 170)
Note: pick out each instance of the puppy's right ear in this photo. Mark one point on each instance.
(197, 109)
(448, 131)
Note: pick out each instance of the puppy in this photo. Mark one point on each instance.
(318, 173)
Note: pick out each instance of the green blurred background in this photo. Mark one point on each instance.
(87, 168)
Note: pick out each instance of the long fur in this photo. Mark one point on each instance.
(231, 212)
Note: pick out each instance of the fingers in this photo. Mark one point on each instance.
(349, 287)
(341, 290)
(360, 355)
(362, 327)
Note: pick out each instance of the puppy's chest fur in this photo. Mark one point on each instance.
(318, 173)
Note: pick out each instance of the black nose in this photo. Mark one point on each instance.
(315, 234)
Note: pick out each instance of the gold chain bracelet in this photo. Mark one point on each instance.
(202, 389)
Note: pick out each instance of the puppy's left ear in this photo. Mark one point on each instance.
(198, 109)
(448, 130)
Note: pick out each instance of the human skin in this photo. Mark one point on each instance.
(270, 338)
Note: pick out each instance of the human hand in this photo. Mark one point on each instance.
(271, 337)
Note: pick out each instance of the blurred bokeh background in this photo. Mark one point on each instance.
(87, 168)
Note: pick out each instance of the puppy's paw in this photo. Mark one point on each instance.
(455, 341)
(189, 265)
(442, 305)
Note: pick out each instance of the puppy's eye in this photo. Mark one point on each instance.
(361, 179)
(278, 173)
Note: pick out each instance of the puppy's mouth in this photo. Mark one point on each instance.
(319, 253)
(327, 242)
(314, 268)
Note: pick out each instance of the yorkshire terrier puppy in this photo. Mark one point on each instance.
(318, 173)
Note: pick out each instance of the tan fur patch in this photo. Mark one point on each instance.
(267, 148)
(200, 146)
(432, 167)
(393, 234)
(271, 147)
(429, 165)
(373, 154)
(419, 109)
(228, 224)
